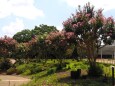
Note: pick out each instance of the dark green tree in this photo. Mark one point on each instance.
(23, 36)
(43, 29)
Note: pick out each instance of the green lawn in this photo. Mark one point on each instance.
(48, 76)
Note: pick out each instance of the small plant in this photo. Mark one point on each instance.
(51, 70)
(75, 66)
(20, 69)
(27, 72)
(11, 71)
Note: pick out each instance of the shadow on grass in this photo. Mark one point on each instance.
(67, 80)
(84, 82)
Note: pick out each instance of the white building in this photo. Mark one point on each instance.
(108, 50)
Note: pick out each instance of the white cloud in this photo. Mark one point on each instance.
(12, 28)
(105, 4)
(20, 8)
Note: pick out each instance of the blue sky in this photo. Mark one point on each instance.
(16, 15)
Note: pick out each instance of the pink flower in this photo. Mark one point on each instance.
(92, 21)
(110, 20)
(87, 15)
(74, 25)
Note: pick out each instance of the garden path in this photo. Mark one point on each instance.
(12, 80)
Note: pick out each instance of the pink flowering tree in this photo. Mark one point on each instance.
(92, 30)
(58, 43)
(7, 46)
(22, 50)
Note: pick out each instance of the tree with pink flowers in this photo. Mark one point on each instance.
(7, 46)
(92, 29)
(59, 42)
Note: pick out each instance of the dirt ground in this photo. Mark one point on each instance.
(12, 80)
(109, 61)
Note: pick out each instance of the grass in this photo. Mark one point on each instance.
(62, 77)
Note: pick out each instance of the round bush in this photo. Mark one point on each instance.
(51, 70)
(11, 71)
(20, 69)
(96, 70)
(5, 64)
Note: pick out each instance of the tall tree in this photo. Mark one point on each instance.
(27, 35)
(43, 29)
(59, 42)
(23, 36)
(7, 46)
(91, 29)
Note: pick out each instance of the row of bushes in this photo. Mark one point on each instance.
(26, 69)
(33, 68)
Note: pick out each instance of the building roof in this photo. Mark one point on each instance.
(108, 49)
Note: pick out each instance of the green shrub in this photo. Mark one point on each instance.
(51, 70)
(36, 69)
(77, 65)
(20, 69)
(27, 72)
(33, 68)
(96, 71)
(11, 71)
(5, 64)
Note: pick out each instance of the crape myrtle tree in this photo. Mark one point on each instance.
(92, 30)
(38, 48)
(21, 51)
(27, 50)
(58, 43)
(33, 48)
(7, 46)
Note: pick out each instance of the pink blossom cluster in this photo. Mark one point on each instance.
(110, 20)
(77, 25)
(92, 21)
(59, 38)
(53, 36)
(69, 35)
(7, 40)
(67, 22)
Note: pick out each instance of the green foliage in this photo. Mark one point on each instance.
(52, 70)
(26, 35)
(50, 76)
(27, 69)
(77, 65)
(5, 64)
(96, 70)
(43, 29)
(21, 68)
(23, 36)
(22, 50)
(27, 72)
(11, 71)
